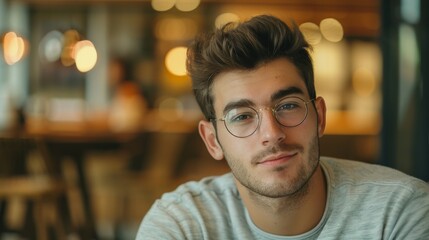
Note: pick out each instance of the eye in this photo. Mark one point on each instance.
(240, 116)
(288, 105)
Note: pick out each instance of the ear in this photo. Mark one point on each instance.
(321, 115)
(208, 134)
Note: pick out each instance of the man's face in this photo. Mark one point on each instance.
(274, 161)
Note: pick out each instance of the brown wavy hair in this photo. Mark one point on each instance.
(245, 46)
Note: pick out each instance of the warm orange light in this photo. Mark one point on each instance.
(71, 37)
(13, 48)
(175, 61)
(85, 55)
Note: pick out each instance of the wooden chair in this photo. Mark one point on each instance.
(40, 192)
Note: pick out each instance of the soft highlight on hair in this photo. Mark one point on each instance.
(245, 46)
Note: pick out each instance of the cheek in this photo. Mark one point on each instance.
(302, 134)
(233, 147)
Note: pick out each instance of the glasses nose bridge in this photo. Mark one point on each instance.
(270, 109)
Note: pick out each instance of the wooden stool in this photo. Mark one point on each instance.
(41, 192)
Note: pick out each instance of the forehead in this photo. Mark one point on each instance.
(258, 85)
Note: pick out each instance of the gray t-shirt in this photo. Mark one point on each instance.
(365, 201)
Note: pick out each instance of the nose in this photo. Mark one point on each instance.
(270, 130)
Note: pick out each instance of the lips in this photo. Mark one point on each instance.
(277, 159)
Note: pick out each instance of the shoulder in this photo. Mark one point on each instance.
(209, 187)
(196, 199)
(375, 197)
(195, 208)
(341, 171)
(372, 181)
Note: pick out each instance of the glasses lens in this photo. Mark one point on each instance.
(291, 111)
(242, 121)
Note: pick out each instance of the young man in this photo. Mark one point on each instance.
(254, 83)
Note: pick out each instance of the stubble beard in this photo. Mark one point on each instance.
(294, 188)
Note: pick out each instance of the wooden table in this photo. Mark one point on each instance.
(74, 140)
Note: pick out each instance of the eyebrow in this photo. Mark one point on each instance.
(286, 92)
(237, 104)
(274, 97)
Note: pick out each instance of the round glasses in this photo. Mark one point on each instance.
(242, 122)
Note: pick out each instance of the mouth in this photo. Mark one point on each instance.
(277, 159)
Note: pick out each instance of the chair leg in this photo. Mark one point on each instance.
(39, 214)
(28, 231)
(48, 221)
(3, 205)
(55, 219)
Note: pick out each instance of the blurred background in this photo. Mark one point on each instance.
(98, 88)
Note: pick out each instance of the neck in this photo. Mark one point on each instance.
(290, 215)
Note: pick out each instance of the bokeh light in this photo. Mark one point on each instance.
(51, 46)
(71, 37)
(311, 32)
(187, 5)
(162, 5)
(175, 61)
(225, 18)
(85, 55)
(13, 48)
(331, 29)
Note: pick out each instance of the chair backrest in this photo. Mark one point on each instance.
(15, 151)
